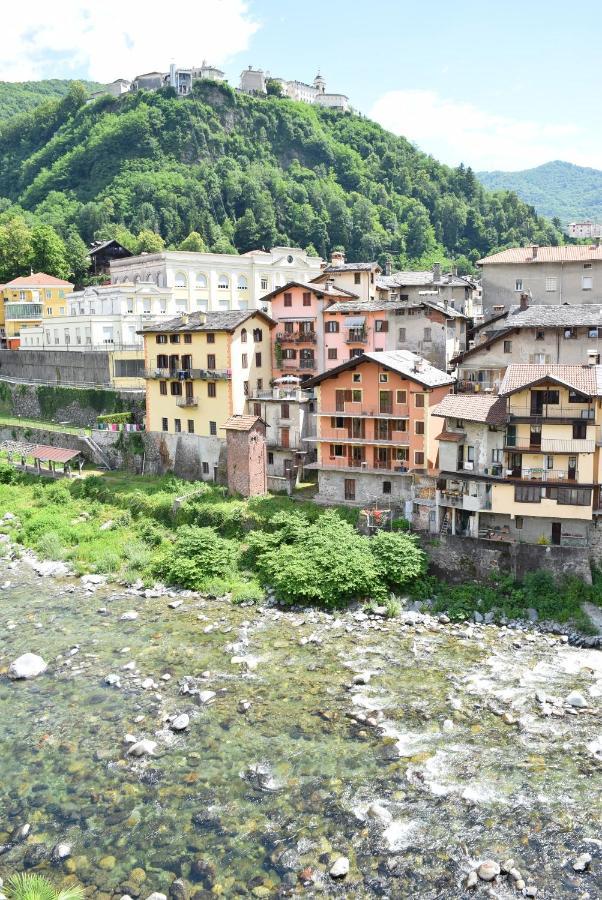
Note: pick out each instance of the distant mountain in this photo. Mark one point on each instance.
(556, 189)
(21, 96)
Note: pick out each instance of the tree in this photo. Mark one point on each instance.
(273, 88)
(77, 256)
(197, 556)
(398, 558)
(49, 253)
(194, 243)
(246, 233)
(16, 251)
(149, 242)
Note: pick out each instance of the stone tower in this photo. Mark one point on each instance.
(246, 455)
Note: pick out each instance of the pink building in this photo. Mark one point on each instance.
(352, 328)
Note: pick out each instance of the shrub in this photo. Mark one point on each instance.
(197, 554)
(250, 591)
(115, 418)
(398, 559)
(8, 474)
(49, 546)
(400, 525)
(29, 886)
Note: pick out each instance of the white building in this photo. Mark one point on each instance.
(181, 80)
(253, 81)
(584, 230)
(218, 281)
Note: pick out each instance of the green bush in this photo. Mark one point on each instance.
(116, 418)
(398, 559)
(49, 546)
(250, 591)
(197, 554)
(31, 886)
(8, 474)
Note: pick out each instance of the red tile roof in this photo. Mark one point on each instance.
(241, 423)
(570, 253)
(56, 454)
(473, 408)
(450, 436)
(583, 379)
(38, 279)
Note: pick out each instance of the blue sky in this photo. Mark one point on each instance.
(505, 85)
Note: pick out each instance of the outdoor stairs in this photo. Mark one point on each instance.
(445, 524)
(98, 454)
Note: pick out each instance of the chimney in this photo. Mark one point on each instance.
(436, 272)
(184, 318)
(534, 249)
(388, 267)
(524, 301)
(337, 258)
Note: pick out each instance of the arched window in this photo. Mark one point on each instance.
(243, 284)
(243, 336)
(223, 282)
(180, 281)
(201, 280)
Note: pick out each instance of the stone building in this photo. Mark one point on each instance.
(287, 411)
(443, 288)
(246, 455)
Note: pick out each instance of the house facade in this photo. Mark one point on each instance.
(287, 411)
(432, 285)
(358, 278)
(29, 299)
(212, 282)
(374, 427)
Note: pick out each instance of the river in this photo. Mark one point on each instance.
(457, 747)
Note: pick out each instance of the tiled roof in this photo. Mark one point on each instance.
(473, 408)
(543, 316)
(39, 279)
(360, 306)
(328, 290)
(207, 321)
(570, 253)
(349, 267)
(418, 279)
(241, 423)
(454, 436)
(405, 362)
(584, 379)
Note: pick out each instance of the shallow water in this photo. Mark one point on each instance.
(457, 782)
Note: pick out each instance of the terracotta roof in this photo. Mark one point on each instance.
(570, 253)
(39, 279)
(241, 423)
(401, 361)
(454, 436)
(473, 408)
(206, 321)
(56, 454)
(584, 379)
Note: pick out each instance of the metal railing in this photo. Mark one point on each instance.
(187, 401)
(551, 445)
(541, 474)
(189, 374)
(552, 411)
(297, 337)
(298, 364)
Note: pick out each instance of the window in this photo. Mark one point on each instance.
(518, 522)
(188, 339)
(163, 388)
(401, 335)
(419, 401)
(265, 285)
(245, 361)
(242, 284)
(587, 282)
(427, 334)
(356, 378)
(587, 265)
(180, 280)
(211, 338)
(190, 426)
(201, 280)
(205, 467)
(357, 278)
(243, 336)
(331, 327)
(211, 389)
(551, 283)
(223, 283)
(260, 384)
(383, 377)
(337, 422)
(350, 489)
(569, 333)
(518, 284)
(289, 327)
(497, 456)
(306, 298)
(285, 410)
(469, 454)
(213, 428)
(270, 458)
(257, 335)
(386, 487)
(549, 462)
(419, 427)
(357, 351)
(258, 359)
(525, 493)
(177, 425)
(174, 338)
(161, 339)
(288, 299)
(566, 496)
(332, 353)
(418, 458)
(48, 310)
(245, 388)
(401, 397)
(175, 388)
(540, 334)
(507, 346)
(381, 325)
(162, 361)
(211, 361)
(337, 450)
(48, 295)
(164, 424)
(356, 396)
(289, 353)
(579, 431)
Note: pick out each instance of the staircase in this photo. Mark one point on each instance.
(445, 524)
(98, 454)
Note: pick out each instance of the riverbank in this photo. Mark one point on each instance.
(277, 742)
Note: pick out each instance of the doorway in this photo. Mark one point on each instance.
(556, 533)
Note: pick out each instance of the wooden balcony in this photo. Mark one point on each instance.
(187, 401)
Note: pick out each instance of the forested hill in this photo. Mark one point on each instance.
(238, 172)
(20, 96)
(556, 189)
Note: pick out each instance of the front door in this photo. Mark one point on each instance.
(349, 489)
(516, 464)
(572, 475)
(556, 533)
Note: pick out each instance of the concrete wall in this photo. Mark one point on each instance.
(76, 367)
(77, 406)
(499, 284)
(368, 488)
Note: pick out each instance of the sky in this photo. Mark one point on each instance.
(506, 85)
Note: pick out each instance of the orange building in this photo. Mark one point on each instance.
(374, 427)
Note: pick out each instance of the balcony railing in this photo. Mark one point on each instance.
(292, 364)
(541, 474)
(551, 411)
(340, 462)
(551, 445)
(297, 337)
(187, 401)
(356, 337)
(189, 374)
(342, 436)
(357, 410)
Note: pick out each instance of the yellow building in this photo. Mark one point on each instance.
(201, 367)
(30, 299)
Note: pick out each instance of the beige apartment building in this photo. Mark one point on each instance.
(550, 275)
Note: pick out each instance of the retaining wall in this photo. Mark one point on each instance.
(72, 367)
(78, 406)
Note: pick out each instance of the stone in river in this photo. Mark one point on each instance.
(156, 896)
(113, 680)
(129, 616)
(488, 870)
(206, 696)
(472, 879)
(142, 748)
(340, 867)
(180, 723)
(577, 700)
(379, 813)
(178, 890)
(60, 852)
(582, 862)
(29, 665)
(362, 678)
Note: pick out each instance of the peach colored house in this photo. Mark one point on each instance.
(374, 427)
(298, 339)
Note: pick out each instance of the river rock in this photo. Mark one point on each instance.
(576, 700)
(113, 680)
(178, 890)
(340, 867)
(180, 723)
(488, 870)
(60, 852)
(472, 879)
(582, 862)
(175, 604)
(142, 748)
(379, 813)
(362, 678)
(129, 616)
(206, 696)
(156, 896)
(20, 833)
(29, 665)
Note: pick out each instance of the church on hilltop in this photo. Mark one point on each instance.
(255, 81)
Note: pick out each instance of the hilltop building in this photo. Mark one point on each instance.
(587, 229)
(254, 81)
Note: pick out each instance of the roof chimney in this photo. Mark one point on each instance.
(436, 272)
(184, 318)
(524, 301)
(534, 249)
(337, 258)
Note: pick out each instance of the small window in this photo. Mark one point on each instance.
(497, 456)
(245, 361)
(419, 401)
(258, 359)
(260, 384)
(381, 325)
(331, 327)
(223, 282)
(213, 428)
(285, 410)
(163, 388)
(211, 389)
(188, 339)
(332, 353)
(164, 425)
(401, 335)
(419, 427)
(356, 396)
(264, 283)
(518, 522)
(469, 454)
(288, 299)
(418, 458)
(518, 284)
(579, 431)
(211, 338)
(356, 378)
(243, 336)
(205, 468)
(540, 335)
(270, 458)
(190, 426)
(507, 346)
(175, 388)
(587, 283)
(257, 409)
(257, 335)
(161, 339)
(174, 338)
(211, 361)
(383, 377)
(427, 334)
(357, 278)
(177, 425)
(386, 487)
(551, 283)
(242, 283)
(306, 298)
(401, 397)
(201, 280)
(245, 388)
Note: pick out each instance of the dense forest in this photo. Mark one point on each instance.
(561, 190)
(20, 96)
(226, 172)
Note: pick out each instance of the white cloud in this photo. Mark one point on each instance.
(456, 132)
(87, 38)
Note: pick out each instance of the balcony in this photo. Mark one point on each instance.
(297, 337)
(296, 364)
(341, 436)
(541, 474)
(357, 410)
(550, 445)
(356, 337)
(571, 413)
(468, 502)
(343, 464)
(187, 401)
(189, 374)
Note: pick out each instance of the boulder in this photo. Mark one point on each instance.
(29, 665)
(340, 867)
(142, 748)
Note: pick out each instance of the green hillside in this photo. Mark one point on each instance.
(20, 96)
(557, 189)
(238, 172)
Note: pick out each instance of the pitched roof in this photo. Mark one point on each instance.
(473, 408)
(207, 321)
(241, 423)
(420, 278)
(349, 267)
(38, 279)
(570, 253)
(101, 245)
(543, 316)
(583, 379)
(359, 306)
(454, 436)
(401, 361)
(329, 290)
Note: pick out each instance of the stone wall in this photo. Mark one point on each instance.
(458, 559)
(368, 488)
(184, 455)
(77, 406)
(73, 367)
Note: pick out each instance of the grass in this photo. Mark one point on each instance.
(20, 422)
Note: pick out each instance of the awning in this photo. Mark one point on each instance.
(54, 454)
(354, 321)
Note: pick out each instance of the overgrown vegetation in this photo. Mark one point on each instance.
(227, 172)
